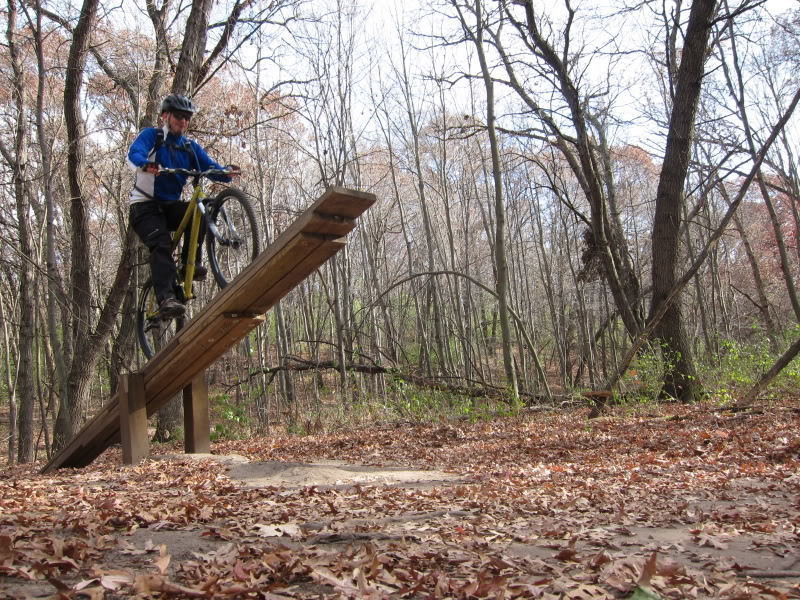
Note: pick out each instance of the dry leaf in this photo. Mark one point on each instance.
(162, 562)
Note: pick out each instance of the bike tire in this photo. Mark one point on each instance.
(232, 241)
(153, 332)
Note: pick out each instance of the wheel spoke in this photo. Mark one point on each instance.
(235, 242)
(152, 330)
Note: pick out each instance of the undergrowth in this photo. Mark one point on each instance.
(319, 405)
(398, 401)
(725, 374)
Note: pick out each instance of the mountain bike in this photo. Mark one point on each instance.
(232, 242)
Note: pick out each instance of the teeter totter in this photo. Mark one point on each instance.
(300, 250)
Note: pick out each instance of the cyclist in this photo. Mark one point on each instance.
(155, 201)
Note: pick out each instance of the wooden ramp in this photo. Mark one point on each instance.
(299, 251)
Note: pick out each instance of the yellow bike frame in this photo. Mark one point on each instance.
(191, 221)
(191, 218)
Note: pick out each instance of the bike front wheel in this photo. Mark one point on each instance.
(153, 332)
(232, 240)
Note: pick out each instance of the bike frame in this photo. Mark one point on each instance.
(224, 233)
(192, 220)
(193, 217)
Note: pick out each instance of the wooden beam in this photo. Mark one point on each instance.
(208, 336)
(133, 418)
(197, 426)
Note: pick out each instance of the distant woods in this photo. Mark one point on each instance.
(571, 199)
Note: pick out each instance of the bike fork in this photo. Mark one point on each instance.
(232, 239)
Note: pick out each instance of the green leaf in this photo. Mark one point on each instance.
(643, 593)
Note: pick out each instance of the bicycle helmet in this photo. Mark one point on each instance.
(177, 102)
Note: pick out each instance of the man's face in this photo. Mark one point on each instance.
(178, 121)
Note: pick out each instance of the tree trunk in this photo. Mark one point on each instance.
(738, 90)
(25, 374)
(71, 406)
(680, 376)
(123, 348)
(194, 44)
(773, 371)
(763, 304)
(57, 301)
(338, 323)
(500, 258)
(170, 416)
(586, 159)
(9, 382)
(160, 64)
(431, 305)
(87, 342)
(711, 343)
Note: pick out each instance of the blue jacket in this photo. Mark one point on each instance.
(175, 152)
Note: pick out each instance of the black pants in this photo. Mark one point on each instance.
(153, 221)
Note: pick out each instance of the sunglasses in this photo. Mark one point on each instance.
(185, 116)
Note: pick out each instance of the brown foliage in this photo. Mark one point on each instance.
(685, 504)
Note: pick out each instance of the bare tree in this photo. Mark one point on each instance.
(475, 33)
(18, 161)
(680, 378)
(88, 337)
(194, 45)
(584, 147)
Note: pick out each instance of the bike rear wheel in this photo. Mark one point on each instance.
(232, 240)
(153, 332)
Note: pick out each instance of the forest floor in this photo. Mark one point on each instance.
(661, 502)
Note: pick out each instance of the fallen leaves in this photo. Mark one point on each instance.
(546, 508)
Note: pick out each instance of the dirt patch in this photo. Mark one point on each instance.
(332, 473)
(321, 474)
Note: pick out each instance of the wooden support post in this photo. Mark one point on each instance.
(197, 427)
(133, 418)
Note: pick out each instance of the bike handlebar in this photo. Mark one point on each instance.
(194, 173)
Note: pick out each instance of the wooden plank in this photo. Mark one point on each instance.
(321, 217)
(302, 271)
(345, 202)
(133, 419)
(161, 390)
(331, 225)
(217, 338)
(90, 430)
(106, 432)
(296, 253)
(204, 334)
(237, 297)
(283, 264)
